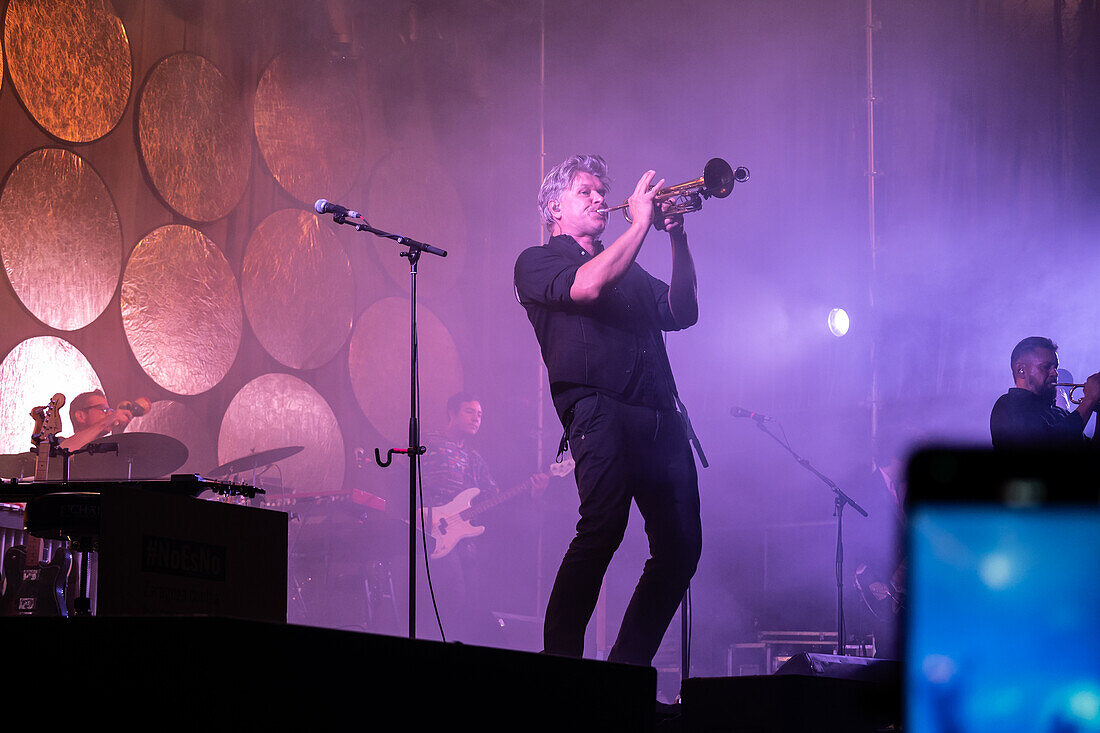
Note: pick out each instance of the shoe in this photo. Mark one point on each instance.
(668, 709)
(667, 717)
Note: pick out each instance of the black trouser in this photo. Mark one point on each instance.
(625, 453)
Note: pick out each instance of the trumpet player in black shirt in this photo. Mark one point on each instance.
(1026, 415)
(598, 317)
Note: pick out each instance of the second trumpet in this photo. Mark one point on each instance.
(1072, 388)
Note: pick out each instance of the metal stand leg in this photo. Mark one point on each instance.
(82, 604)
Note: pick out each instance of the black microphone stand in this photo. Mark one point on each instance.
(414, 450)
(840, 501)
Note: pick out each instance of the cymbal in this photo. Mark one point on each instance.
(140, 456)
(254, 460)
(17, 465)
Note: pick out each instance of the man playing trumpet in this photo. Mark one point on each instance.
(598, 317)
(1026, 415)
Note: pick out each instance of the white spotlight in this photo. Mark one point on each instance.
(838, 322)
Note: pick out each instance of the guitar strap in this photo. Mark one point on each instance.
(680, 407)
(563, 445)
(691, 431)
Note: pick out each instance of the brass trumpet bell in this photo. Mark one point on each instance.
(717, 182)
(1073, 388)
(719, 177)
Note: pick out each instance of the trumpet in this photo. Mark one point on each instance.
(716, 182)
(1072, 388)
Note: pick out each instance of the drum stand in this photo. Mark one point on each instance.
(84, 543)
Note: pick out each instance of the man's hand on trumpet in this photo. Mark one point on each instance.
(673, 224)
(643, 206)
(1090, 395)
(640, 203)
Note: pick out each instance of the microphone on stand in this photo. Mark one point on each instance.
(324, 206)
(137, 407)
(742, 412)
(340, 214)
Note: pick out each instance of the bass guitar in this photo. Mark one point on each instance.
(31, 587)
(884, 598)
(452, 522)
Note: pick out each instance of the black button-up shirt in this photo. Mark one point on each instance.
(1022, 418)
(613, 345)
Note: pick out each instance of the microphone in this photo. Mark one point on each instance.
(137, 407)
(324, 206)
(742, 412)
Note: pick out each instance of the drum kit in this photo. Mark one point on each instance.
(68, 504)
(325, 526)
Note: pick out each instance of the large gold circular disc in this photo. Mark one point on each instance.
(181, 309)
(194, 137)
(409, 194)
(378, 360)
(298, 289)
(33, 372)
(176, 420)
(70, 63)
(60, 238)
(309, 128)
(280, 411)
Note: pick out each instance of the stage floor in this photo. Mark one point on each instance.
(171, 673)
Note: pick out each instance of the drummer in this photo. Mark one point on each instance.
(92, 418)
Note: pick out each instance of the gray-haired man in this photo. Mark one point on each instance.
(598, 317)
